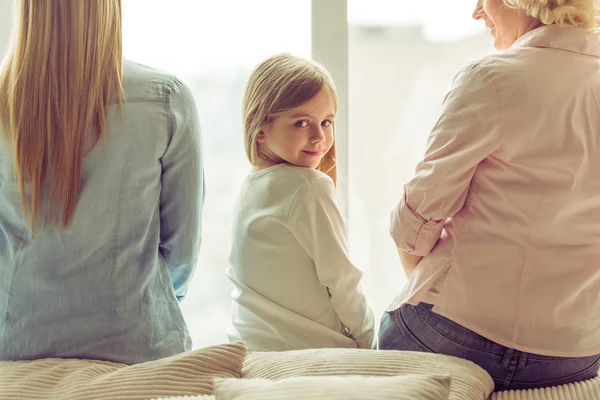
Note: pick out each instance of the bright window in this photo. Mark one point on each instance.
(5, 25)
(213, 46)
(402, 58)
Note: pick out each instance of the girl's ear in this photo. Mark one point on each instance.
(261, 137)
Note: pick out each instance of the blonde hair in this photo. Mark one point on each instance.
(56, 83)
(578, 13)
(279, 84)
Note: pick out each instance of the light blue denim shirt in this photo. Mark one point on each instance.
(108, 288)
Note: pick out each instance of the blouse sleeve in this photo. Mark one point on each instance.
(466, 133)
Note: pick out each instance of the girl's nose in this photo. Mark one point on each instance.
(318, 136)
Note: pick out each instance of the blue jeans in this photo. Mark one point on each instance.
(418, 328)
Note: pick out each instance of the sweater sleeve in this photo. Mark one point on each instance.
(317, 223)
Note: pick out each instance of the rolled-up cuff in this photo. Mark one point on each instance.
(413, 233)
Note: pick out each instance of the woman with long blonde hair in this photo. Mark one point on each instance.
(101, 191)
(499, 230)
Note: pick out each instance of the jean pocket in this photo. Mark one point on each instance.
(455, 333)
(404, 318)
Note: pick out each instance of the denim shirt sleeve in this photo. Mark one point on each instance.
(183, 190)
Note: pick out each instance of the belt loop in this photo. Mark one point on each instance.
(507, 357)
(523, 360)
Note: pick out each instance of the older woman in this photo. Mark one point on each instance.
(499, 230)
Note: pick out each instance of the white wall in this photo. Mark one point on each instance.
(5, 23)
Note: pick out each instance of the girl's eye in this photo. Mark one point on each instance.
(301, 124)
(326, 123)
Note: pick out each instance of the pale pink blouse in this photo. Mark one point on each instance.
(506, 202)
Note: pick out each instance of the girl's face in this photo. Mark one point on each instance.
(300, 136)
(506, 25)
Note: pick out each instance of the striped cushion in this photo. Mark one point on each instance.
(408, 387)
(184, 374)
(204, 397)
(469, 381)
(586, 390)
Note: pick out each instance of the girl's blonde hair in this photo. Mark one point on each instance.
(62, 70)
(578, 13)
(279, 84)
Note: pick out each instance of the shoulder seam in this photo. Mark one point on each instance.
(307, 182)
(319, 175)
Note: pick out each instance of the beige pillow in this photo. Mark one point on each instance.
(201, 397)
(408, 387)
(184, 374)
(469, 381)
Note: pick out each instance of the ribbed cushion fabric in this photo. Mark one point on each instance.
(184, 374)
(586, 390)
(408, 387)
(202, 397)
(469, 381)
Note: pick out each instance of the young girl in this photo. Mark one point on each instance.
(295, 287)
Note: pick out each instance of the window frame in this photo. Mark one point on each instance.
(329, 40)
